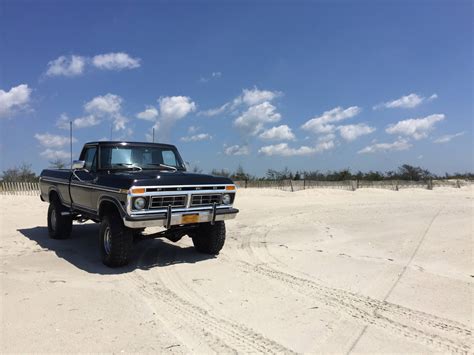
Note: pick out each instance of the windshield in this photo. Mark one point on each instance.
(140, 157)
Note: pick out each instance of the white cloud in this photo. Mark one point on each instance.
(237, 150)
(197, 137)
(115, 61)
(193, 129)
(119, 122)
(102, 105)
(324, 123)
(448, 137)
(214, 75)
(170, 110)
(417, 128)
(325, 144)
(215, 111)
(433, 97)
(282, 132)
(55, 154)
(14, 100)
(126, 134)
(353, 131)
(249, 97)
(149, 114)
(108, 106)
(400, 144)
(408, 101)
(255, 96)
(86, 121)
(174, 108)
(51, 140)
(66, 66)
(251, 121)
(283, 149)
(79, 122)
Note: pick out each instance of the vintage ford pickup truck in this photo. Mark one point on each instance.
(129, 186)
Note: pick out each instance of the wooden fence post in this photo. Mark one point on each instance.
(430, 184)
(354, 185)
(458, 184)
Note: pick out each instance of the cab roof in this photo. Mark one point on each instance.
(125, 143)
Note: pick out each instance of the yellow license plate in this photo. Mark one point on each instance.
(190, 218)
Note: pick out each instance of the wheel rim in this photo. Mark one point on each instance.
(53, 220)
(107, 240)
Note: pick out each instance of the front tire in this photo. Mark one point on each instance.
(208, 238)
(115, 241)
(59, 226)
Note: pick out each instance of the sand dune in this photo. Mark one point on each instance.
(309, 271)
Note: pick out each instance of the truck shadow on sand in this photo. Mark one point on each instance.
(82, 250)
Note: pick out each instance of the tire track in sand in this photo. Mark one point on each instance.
(220, 334)
(419, 326)
(452, 337)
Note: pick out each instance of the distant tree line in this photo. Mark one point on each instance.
(404, 172)
(24, 173)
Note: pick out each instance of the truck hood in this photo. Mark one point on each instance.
(161, 178)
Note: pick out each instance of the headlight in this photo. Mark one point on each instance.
(139, 203)
(226, 199)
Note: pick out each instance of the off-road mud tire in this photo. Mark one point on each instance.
(59, 226)
(208, 238)
(118, 248)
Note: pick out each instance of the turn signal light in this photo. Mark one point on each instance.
(230, 188)
(138, 190)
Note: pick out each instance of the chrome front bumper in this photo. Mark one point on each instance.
(162, 220)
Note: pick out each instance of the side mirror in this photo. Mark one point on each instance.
(78, 164)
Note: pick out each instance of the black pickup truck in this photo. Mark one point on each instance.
(129, 186)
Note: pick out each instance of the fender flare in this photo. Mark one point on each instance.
(114, 201)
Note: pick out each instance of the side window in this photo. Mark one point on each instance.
(90, 159)
(169, 158)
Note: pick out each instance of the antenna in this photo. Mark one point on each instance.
(70, 139)
(153, 135)
(111, 128)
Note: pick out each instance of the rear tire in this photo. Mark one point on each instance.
(115, 241)
(208, 238)
(59, 226)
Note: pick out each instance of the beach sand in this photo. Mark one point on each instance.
(311, 271)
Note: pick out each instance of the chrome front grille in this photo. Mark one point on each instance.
(165, 201)
(204, 200)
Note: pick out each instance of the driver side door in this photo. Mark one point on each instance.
(82, 180)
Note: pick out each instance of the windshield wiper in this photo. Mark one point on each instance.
(130, 165)
(169, 167)
(165, 166)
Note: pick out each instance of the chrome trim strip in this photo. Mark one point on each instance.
(176, 220)
(96, 187)
(172, 193)
(183, 209)
(58, 181)
(176, 186)
(87, 185)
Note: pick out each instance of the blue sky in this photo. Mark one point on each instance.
(310, 85)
